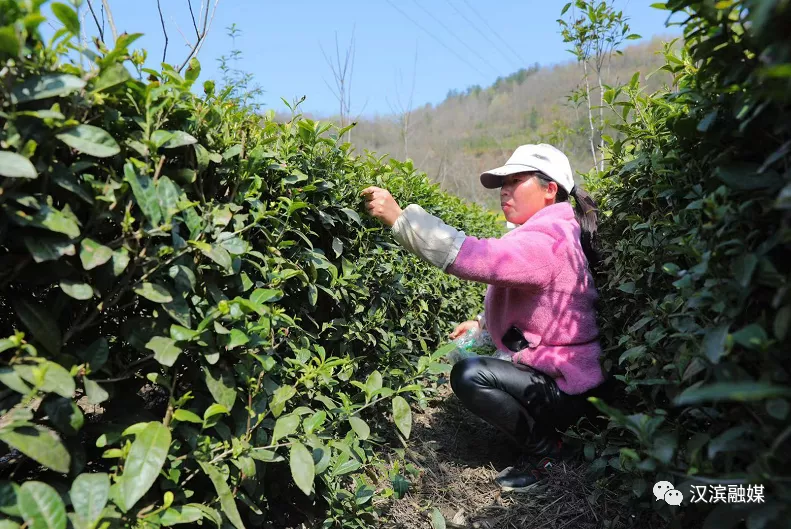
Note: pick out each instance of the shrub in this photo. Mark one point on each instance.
(200, 326)
(696, 305)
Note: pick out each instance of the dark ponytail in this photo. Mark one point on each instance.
(586, 212)
(587, 216)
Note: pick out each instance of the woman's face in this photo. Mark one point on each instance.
(522, 196)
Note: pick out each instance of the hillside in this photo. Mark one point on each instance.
(478, 128)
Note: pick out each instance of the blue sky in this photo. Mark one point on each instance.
(281, 43)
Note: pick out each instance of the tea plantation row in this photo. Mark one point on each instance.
(197, 323)
(696, 304)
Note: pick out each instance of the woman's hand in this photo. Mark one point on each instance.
(382, 205)
(463, 328)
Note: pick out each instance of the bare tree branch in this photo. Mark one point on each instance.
(203, 13)
(360, 113)
(331, 89)
(340, 76)
(207, 21)
(110, 20)
(404, 112)
(164, 30)
(194, 24)
(96, 20)
(351, 75)
(201, 25)
(342, 71)
(83, 38)
(183, 36)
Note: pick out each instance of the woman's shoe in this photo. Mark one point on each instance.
(512, 480)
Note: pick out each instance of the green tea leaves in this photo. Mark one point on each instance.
(302, 469)
(165, 350)
(402, 415)
(89, 494)
(40, 323)
(40, 444)
(145, 460)
(45, 86)
(41, 506)
(91, 140)
(13, 165)
(67, 16)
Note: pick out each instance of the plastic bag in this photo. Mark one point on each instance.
(476, 342)
(469, 344)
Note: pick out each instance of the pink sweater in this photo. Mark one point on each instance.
(540, 282)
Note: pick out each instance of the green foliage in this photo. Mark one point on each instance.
(198, 323)
(239, 82)
(596, 30)
(695, 281)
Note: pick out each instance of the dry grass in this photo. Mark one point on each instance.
(459, 455)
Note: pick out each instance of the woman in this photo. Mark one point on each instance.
(539, 306)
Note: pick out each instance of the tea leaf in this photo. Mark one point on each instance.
(77, 290)
(224, 492)
(153, 292)
(731, 391)
(40, 323)
(96, 394)
(360, 427)
(165, 350)
(13, 165)
(93, 254)
(402, 415)
(89, 494)
(39, 444)
(90, 140)
(221, 385)
(45, 86)
(41, 506)
(67, 16)
(145, 194)
(141, 468)
(302, 469)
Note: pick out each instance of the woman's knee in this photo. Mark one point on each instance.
(465, 375)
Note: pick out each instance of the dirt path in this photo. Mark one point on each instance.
(459, 455)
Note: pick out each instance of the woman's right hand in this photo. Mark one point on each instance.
(462, 328)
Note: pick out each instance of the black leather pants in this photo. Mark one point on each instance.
(523, 403)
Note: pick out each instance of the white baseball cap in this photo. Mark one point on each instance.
(541, 157)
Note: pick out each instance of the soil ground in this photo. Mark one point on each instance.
(459, 455)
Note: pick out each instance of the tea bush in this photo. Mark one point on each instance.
(199, 326)
(695, 284)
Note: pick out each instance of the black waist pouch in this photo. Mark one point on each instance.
(514, 340)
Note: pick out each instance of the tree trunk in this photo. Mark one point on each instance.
(590, 114)
(406, 135)
(601, 120)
